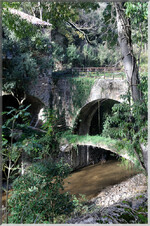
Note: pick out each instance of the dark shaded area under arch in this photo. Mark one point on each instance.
(91, 117)
(34, 109)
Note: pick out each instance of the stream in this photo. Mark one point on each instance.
(93, 179)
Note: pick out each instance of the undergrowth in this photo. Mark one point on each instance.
(84, 139)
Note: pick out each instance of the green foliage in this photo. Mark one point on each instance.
(21, 27)
(38, 196)
(129, 122)
(123, 213)
(18, 119)
(108, 30)
(80, 206)
(138, 13)
(58, 54)
(108, 56)
(79, 52)
(72, 54)
(49, 140)
(125, 122)
(17, 138)
(55, 12)
(142, 214)
(84, 139)
(130, 215)
(88, 56)
(144, 61)
(24, 59)
(144, 88)
(16, 141)
(80, 87)
(102, 23)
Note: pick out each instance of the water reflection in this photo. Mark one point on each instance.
(94, 178)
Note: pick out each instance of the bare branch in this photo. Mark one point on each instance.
(80, 30)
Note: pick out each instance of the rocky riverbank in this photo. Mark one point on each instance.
(121, 203)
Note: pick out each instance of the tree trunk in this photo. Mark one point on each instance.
(144, 149)
(129, 61)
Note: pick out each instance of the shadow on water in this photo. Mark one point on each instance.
(93, 179)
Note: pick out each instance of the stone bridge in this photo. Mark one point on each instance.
(87, 153)
(80, 103)
(76, 100)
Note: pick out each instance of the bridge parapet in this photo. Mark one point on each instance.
(99, 72)
(96, 69)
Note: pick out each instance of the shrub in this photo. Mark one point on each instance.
(38, 197)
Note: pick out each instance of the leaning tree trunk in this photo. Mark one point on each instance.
(129, 61)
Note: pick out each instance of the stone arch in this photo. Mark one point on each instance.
(86, 119)
(36, 110)
(108, 89)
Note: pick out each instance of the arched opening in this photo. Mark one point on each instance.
(90, 121)
(91, 117)
(90, 155)
(104, 109)
(35, 110)
(8, 101)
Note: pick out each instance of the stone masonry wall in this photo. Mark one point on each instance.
(58, 94)
(41, 89)
(62, 93)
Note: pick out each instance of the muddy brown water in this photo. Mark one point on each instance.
(91, 180)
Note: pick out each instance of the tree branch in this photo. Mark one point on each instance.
(80, 30)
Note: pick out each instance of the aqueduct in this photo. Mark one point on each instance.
(60, 95)
(86, 117)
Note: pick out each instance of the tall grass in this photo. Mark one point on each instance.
(84, 139)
